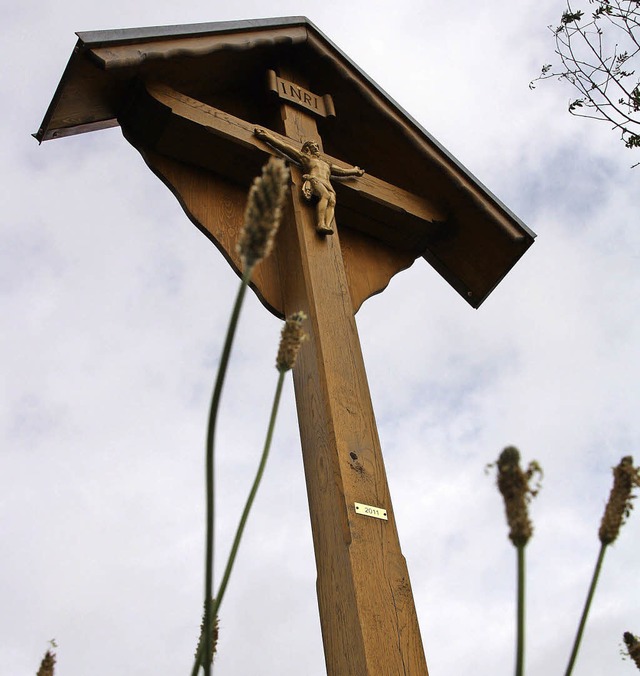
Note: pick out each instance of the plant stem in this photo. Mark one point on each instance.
(520, 612)
(210, 471)
(245, 513)
(200, 650)
(252, 494)
(585, 612)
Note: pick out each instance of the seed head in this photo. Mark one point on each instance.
(214, 637)
(513, 483)
(633, 647)
(625, 478)
(290, 341)
(47, 666)
(263, 213)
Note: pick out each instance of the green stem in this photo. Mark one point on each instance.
(213, 415)
(585, 612)
(252, 494)
(520, 612)
(245, 514)
(196, 665)
(200, 650)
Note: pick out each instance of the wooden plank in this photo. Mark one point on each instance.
(368, 618)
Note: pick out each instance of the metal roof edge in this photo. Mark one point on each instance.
(149, 33)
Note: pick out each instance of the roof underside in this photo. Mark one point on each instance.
(223, 65)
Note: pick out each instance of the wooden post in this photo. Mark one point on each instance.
(367, 613)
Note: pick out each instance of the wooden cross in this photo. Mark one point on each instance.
(368, 618)
(206, 154)
(369, 622)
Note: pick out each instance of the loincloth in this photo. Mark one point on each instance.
(310, 185)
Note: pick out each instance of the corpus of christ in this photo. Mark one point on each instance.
(206, 105)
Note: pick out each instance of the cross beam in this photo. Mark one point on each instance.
(172, 123)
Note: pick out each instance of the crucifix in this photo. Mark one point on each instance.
(205, 105)
(317, 176)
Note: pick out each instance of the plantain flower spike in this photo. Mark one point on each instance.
(47, 666)
(214, 638)
(263, 213)
(513, 483)
(633, 647)
(625, 478)
(290, 341)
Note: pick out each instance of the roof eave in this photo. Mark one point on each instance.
(92, 39)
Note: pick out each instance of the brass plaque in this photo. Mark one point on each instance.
(368, 510)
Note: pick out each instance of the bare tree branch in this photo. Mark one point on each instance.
(596, 57)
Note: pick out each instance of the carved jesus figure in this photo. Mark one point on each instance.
(317, 176)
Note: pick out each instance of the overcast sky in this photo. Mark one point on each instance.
(113, 313)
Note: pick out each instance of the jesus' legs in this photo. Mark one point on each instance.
(325, 209)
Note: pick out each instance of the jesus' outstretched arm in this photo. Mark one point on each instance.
(339, 171)
(286, 149)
